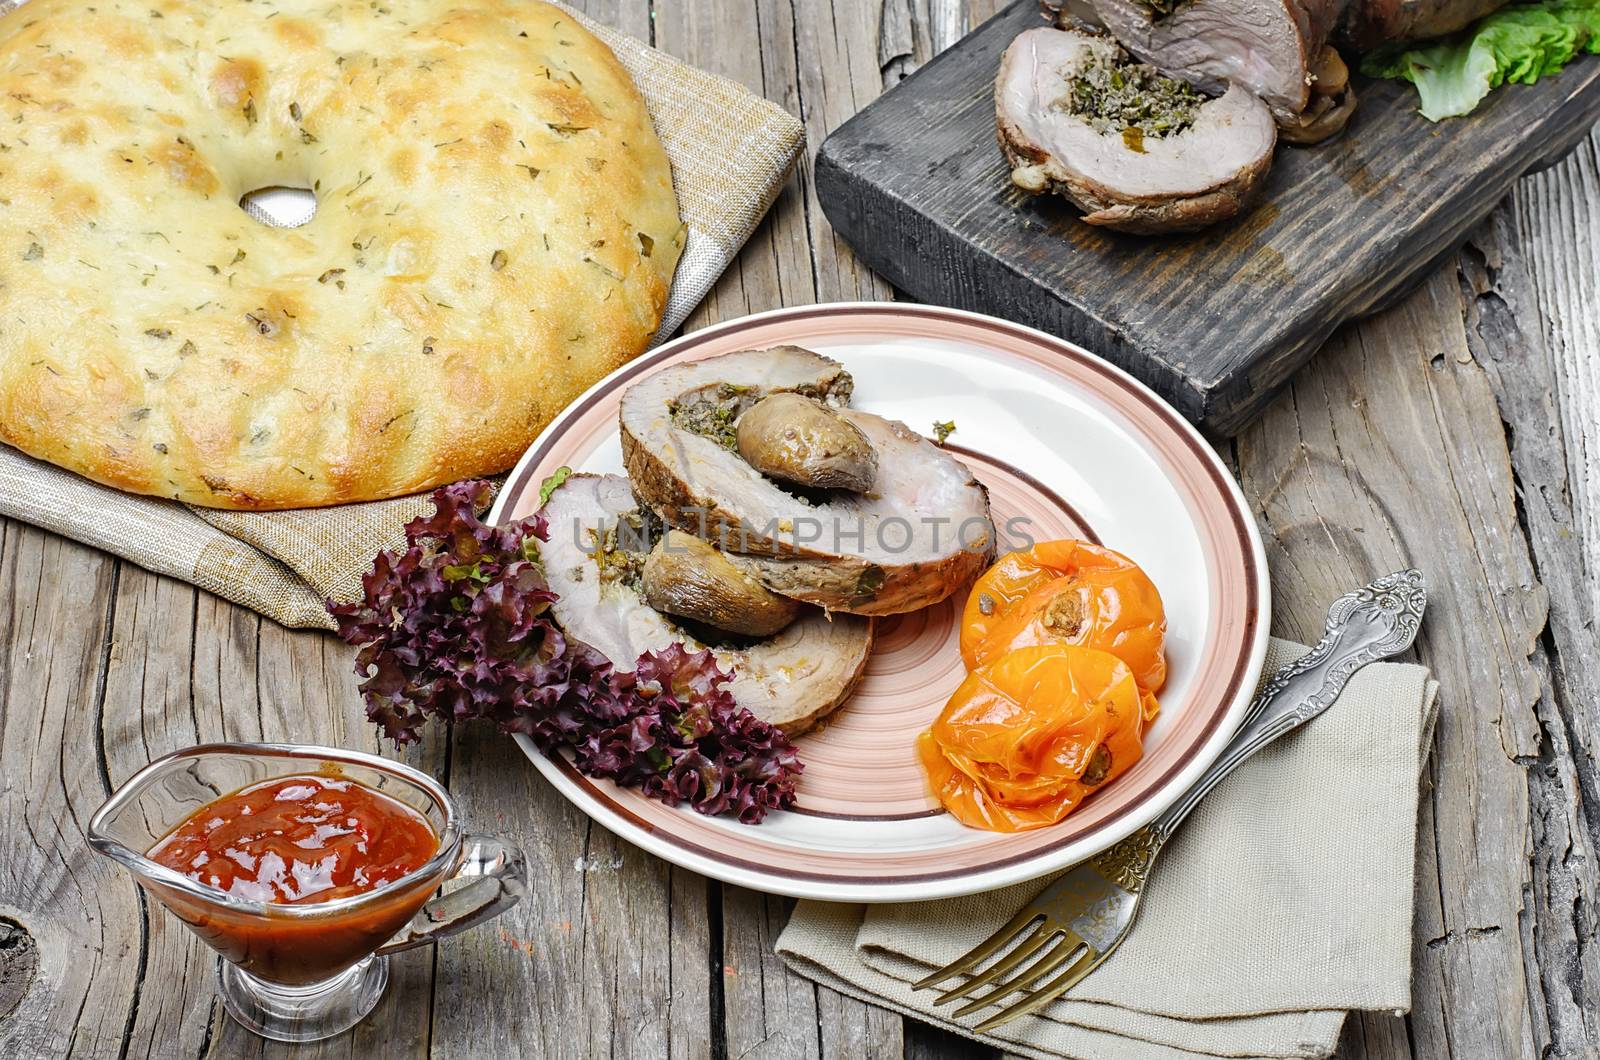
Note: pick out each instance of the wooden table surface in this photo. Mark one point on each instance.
(1458, 432)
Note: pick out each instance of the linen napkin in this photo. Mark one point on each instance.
(731, 152)
(1284, 901)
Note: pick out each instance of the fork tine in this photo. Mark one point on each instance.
(1045, 994)
(984, 950)
(1054, 958)
(1025, 949)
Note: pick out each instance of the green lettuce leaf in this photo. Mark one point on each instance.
(1520, 44)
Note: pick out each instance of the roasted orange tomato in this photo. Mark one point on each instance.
(1068, 592)
(1026, 738)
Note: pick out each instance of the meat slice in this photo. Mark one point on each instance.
(1126, 171)
(1369, 23)
(1270, 47)
(922, 533)
(597, 546)
(1279, 50)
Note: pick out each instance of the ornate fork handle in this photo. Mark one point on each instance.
(1371, 623)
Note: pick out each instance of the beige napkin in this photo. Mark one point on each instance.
(731, 152)
(1284, 901)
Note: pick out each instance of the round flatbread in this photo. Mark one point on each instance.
(495, 230)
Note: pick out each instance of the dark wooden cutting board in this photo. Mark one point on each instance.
(1216, 322)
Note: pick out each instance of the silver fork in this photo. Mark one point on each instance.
(1078, 920)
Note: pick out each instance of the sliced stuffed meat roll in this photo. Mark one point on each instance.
(1276, 49)
(1136, 150)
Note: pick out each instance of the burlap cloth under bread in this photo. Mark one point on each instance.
(731, 152)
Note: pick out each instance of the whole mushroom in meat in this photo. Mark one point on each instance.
(804, 443)
(688, 578)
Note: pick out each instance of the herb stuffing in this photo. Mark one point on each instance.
(1115, 95)
(713, 416)
(621, 550)
(457, 625)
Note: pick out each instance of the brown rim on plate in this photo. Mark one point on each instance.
(1229, 659)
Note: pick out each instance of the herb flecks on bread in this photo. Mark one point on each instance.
(496, 229)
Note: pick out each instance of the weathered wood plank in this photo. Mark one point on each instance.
(146, 711)
(1374, 1036)
(850, 1028)
(55, 596)
(1533, 381)
(814, 61)
(1558, 232)
(771, 1013)
(1379, 456)
(836, 52)
(608, 954)
(752, 44)
(611, 953)
(636, 18)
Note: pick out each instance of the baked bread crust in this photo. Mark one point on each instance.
(496, 229)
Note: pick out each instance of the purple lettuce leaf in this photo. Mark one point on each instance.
(457, 626)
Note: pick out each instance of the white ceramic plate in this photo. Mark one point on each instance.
(1068, 445)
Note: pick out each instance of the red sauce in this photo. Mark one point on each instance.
(299, 840)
